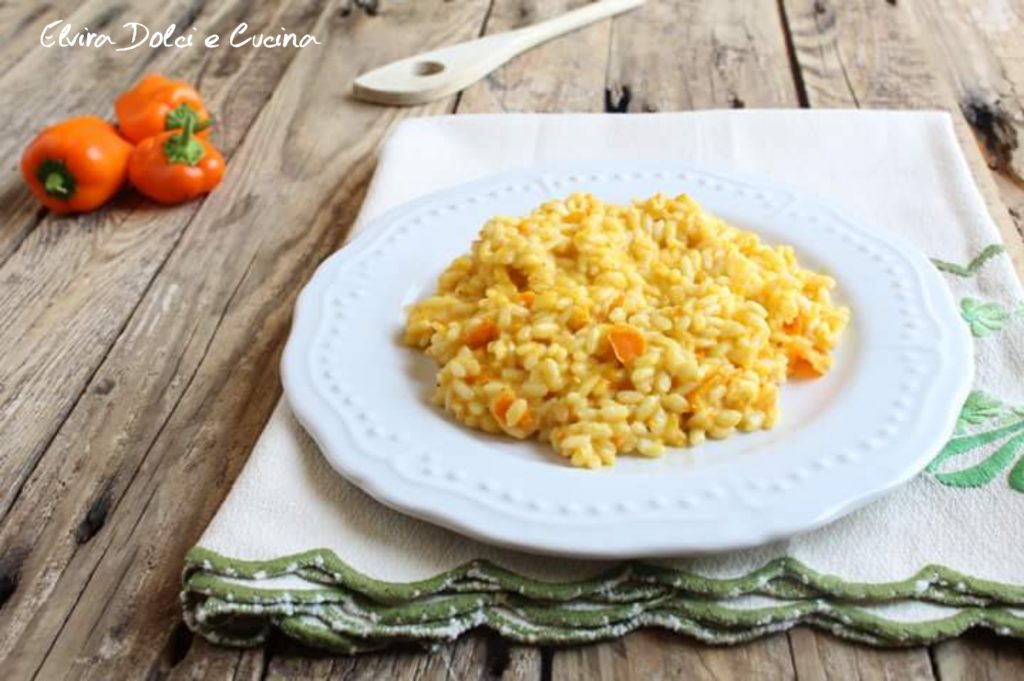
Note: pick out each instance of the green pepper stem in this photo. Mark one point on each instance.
(189, 129)
(184, 147)
(55, 184)
(177, 117)
(56, 179)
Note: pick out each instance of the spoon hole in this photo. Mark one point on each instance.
(427, 68)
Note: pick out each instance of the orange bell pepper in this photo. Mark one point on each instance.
(158, 104)
(175, 166)
(76, 165)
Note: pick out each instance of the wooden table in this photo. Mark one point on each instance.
(139, 345)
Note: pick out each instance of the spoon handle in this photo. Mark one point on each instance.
(572, 20)
(441, 72)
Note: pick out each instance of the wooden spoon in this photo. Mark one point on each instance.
(439, 73)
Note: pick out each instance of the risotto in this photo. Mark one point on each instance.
(608, 330)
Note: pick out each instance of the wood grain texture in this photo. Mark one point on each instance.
(478, 656)
(699, 55)
(979, 656)
(70, 480)
(21, 24)
(819, 657)
(566, 74)
(204, 661)
(863, 53)
(662, 655)
(979, 50)
(179, 399)
(71, 284)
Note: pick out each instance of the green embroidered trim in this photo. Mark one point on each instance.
(984, 318)
(334, 628)
(325, 568)
(345, 611)
(973, 266)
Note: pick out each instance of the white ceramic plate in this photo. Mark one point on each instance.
(902, 370)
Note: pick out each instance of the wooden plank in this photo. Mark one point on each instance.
(870, 54)
(566, 74)
(980, 53)
(699, 55)
(819, 657)
(862, 54)
(75, 323)
(21, 24)
(979, 50)
(657, 654)
(1013, 196)
(204, 661)
(478, 656)
(722, 54)
(72, 283)
(979, 656)
(86, 466)
(178, 402)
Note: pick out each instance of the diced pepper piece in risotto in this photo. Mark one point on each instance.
(627, 342)
(481, 334)
(501, 404)
(608, 330)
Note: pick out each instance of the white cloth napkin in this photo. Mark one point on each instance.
(938, 555)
